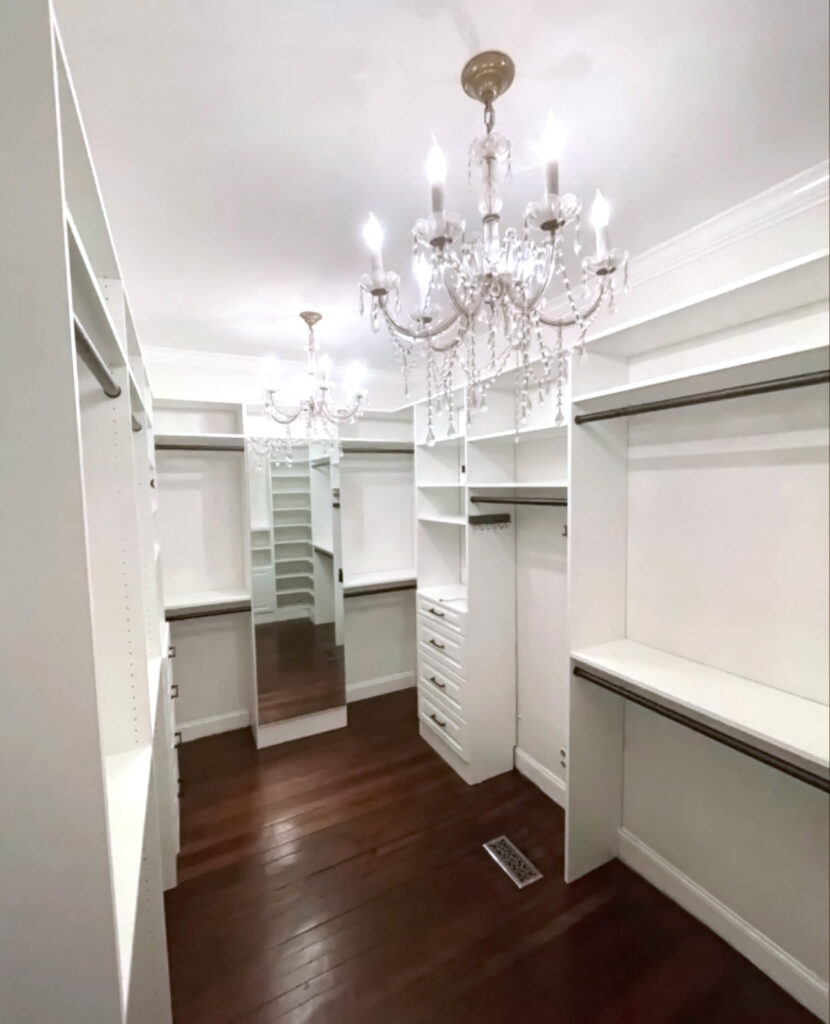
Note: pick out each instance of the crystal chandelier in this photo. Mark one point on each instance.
(310, 413)
(483, 300)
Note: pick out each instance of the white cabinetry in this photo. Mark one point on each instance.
(86, 758)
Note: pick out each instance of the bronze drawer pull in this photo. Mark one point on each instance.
(439, 615)
(434, 681)
(436, 644)
(437, 720)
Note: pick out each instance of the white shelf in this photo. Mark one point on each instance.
(292, 561)
(305, 591)
(291, 526)
(524, 434)
(302, 540)
(752, 370)
(442, 487)
(440, 441)
(128, 783)
(153, 683)
(204, 600)
(449, 520)
(454, 594)
(793, 728)
(539, 485)
(229, 442)
(787, 287)
(88, 302)
(369, 579)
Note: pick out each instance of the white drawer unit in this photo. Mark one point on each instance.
(440, 612)
(442, 723)
(437, 681)
(446, 647)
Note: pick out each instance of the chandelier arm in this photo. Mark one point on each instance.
(282, 416)
(580, 315)
(417, 334)
(468, 314)
(546, 280)
(342, 415)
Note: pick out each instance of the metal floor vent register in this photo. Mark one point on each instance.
(512, 861)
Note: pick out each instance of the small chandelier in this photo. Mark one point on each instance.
(310, 413)
(483, 300)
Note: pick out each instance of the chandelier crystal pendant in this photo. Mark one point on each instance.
(483, 301)
(310, 413)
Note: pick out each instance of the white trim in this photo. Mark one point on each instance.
(213, 724)
(376, 687)
(801, 983)
(787, 199)
(551, 785)
(299, 728)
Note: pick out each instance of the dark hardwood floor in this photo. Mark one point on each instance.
(300, 669)
(341, 878)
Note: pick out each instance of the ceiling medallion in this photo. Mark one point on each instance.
(305, 409)
(483, 299)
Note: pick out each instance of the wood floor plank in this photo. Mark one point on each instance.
(341, 878)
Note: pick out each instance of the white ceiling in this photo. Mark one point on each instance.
(240, 143)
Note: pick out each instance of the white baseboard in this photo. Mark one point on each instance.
(299, 728)
(212, 725)
(550, 784)
(801, 983)
(375, 687)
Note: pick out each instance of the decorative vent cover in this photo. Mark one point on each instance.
(512, 861)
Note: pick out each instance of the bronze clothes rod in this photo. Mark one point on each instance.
(802, 380)
(353, 450)
(92, 357)
(179, 615)
(164, 446)
(772, 760)
(378, 588)
(493, 500)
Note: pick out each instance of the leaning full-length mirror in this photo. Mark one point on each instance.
(295, 583)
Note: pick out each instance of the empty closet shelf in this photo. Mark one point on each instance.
(208, 602)
(200, 442)
(379, 582)
(449, 520)
(326, 552)
(128, 785)
(785, 727)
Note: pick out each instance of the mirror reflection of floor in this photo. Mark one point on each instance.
(300, 669)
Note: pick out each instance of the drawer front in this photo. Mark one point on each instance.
(441, 613)
(442, 724)
(439, 683)
(444, 648)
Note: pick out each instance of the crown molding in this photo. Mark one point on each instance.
(803, 191)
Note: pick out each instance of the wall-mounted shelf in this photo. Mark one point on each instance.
(773, 722)
(447, 520)
(88, 302)
(205, 603)
(523, 434)
(379, 582)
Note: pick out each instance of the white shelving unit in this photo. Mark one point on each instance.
(89, 771)
(476, 582)
(698, 745)
(209, 590)
(378, 557)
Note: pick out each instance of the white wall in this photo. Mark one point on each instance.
(542, 651)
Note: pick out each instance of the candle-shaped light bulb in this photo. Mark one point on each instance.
(373, 237)
(324, 365)
(353, 380)
(422, 272)
(553, 142)
(437, 176)
(600, 216)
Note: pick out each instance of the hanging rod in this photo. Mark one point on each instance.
(205, 611)
(135, 424)
(316, 463)
(92, 357)
(801, 380)
(379, 588)
(493, 500)
(353, 450)
(765, 757)
(171, 446)
(490, 519)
